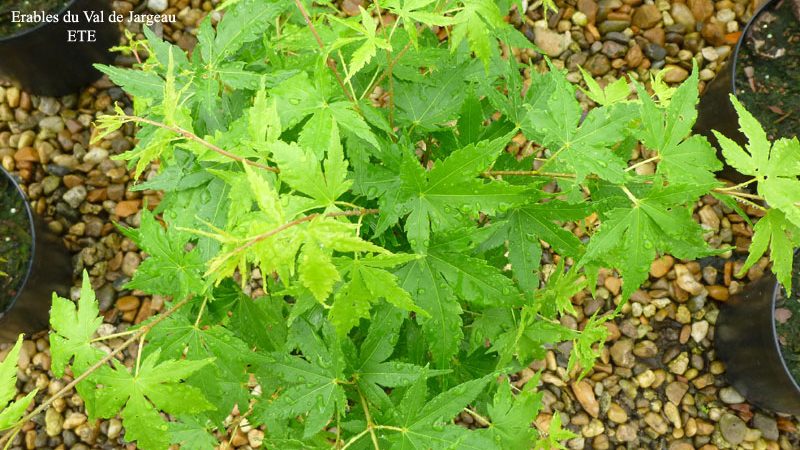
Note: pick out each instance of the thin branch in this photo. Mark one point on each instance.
(527, 173)
(46, 404)
(321, 44)
(482, 420)
(643, 162)
(629, 194)
(139, 354)
(370, 423)
(114, 335)
(738, 186)
(355, 438)
(193, 137)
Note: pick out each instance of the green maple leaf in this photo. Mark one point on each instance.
(775, 167)
(512, 416)
(629, 238)
(683, 158)
(522, 227)
(616, 92)
(245, 22)
(428, 106)
(374, 369)
(314, 381)
(301, 170)
(426, 422)
(11, 413)
(169, 269)
(367, 31)
(553, 121)
(478, 22)
(72, 330)
(157, 386)
(367, 284)
(411, 12)
(442, 329)
(775, 231)
(224, 384)
(434, 199)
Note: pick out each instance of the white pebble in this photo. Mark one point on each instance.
(157, 5)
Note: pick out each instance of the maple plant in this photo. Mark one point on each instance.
(357, 249)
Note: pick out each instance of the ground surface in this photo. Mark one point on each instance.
(657, 384)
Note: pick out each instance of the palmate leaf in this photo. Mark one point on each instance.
(373, 368)
(224, 383)
(666, 129)
(169, 269)
(11, 413)
(442, 329)
(244, 22)
(426, 422)
(776, 167)
(522, 227)
(776, 232)
(367, 282)
(512, 415)
(411, 12)
(629, 238)
(553, 121)
(435, 199)
(155, 387)
(72, 330)
(479, 22)
(314, 381)
(428, 106)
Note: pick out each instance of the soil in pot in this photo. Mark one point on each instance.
(7, 8)
(15, 242)
(768, 70)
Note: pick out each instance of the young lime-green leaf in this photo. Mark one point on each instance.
(317, 272)
(781, 236)
(73, 328)
(615, 92)
(11, 413)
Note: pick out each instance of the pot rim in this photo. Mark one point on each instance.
(735, 56)
(775, 338)
(32, 229)
(32, 29)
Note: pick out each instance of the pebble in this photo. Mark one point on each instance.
(684, 278)
(75, 196)
(675, 391)
(585, 394)
(656, 422)
(679, 365)
(730, 395)
(646, 16)
(157, 5)
(767, 425)
(675, 74)
(53, 422)
(733, 429)
(616, 413)
(682, 15)
(551, 42)
(661, 266)
(622, 353)
(699, 330)
(717, 292)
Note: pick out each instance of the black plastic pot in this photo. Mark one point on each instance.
(49, 270)
(746, 340)
(715, 111)
(42, 61)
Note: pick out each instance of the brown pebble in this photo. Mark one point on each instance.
(718, 292)
(127, 303)
(661, 266)
(127, 208)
